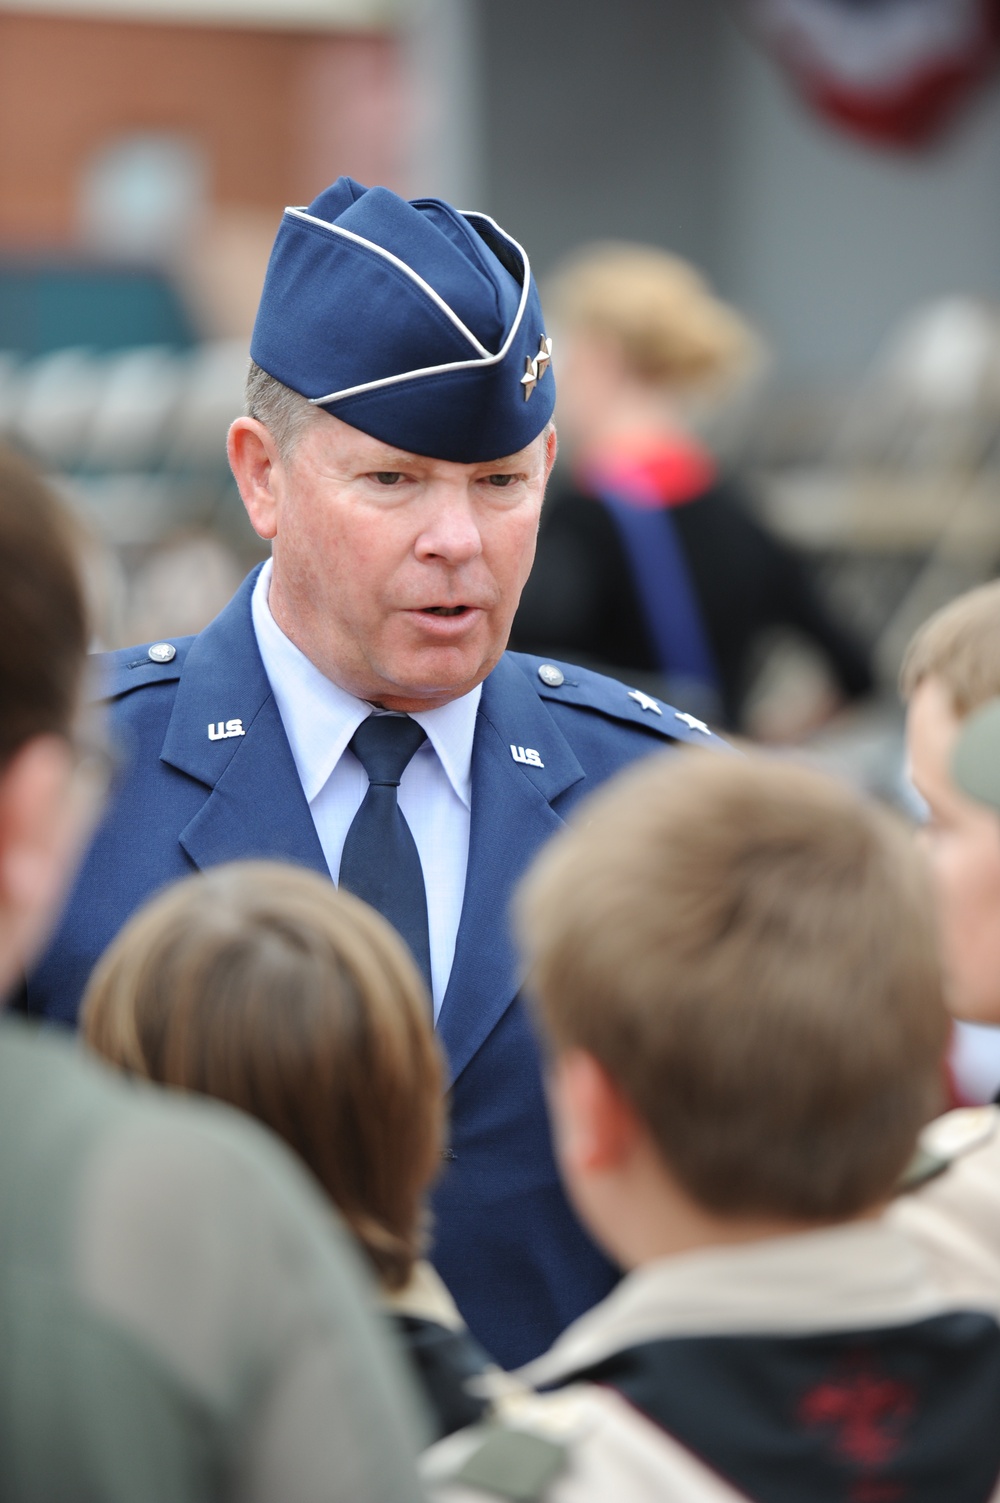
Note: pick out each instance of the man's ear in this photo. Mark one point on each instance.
(551, 450)
(596, 1129)
(257, 468)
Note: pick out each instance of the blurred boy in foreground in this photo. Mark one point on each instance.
(735, 966)
(180, 1317)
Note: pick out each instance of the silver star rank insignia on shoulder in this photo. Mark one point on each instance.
(692, 721)
(644, 701)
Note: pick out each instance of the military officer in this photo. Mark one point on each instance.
(353, 708)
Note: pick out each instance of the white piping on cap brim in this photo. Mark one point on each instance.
(485, 358)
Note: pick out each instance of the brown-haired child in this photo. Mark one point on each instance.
(262, 985)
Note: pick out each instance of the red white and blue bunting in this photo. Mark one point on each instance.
(892, 71)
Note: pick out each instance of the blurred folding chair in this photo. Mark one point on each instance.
(927, 416)
(930, 400)
(181, 586)
(132, 418)
(59, 394)
(10, 391)
(212, 395)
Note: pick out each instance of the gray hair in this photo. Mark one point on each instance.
(284, 412)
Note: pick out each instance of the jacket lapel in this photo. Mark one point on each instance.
(256, 807)
(511, 817)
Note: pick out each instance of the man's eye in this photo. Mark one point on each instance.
(501, 480)
(387, 477)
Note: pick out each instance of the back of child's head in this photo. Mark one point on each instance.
(747, 947)
(959, 646)
(264, 986)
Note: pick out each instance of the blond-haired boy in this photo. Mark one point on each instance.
(735, 965)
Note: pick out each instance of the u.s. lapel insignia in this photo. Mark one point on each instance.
(222, 730)
(644, 702)
(692, 721)
(530, 378)
(526, 755)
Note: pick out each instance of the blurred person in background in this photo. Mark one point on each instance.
(261, 985)
(651, 564)
(735, 967)
(951, 670)
(182, 1317)
(394, 453)
(954, 739)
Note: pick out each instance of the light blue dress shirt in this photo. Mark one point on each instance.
(435, 793)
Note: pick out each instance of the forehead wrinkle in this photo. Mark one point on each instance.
(348, 462)
(384, 457)
(387, 458)
(523, 459)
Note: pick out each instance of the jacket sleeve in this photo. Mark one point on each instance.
(202, 1241)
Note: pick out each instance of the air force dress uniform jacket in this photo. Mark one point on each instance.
(208, 777)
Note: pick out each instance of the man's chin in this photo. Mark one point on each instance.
(431, 684)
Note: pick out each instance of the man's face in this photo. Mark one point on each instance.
(398, 576)
(963, 841)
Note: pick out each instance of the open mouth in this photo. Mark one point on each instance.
(445, 610)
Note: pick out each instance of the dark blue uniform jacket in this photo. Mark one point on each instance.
(507, 1243)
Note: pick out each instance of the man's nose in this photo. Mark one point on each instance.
(450, 531)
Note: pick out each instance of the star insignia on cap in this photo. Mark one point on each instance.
(535, 366)
(644, 701)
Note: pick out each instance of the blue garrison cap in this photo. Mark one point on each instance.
(414, 322)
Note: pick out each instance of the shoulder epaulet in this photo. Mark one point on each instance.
(118, 673)
(946, 1139)
(503, 1461)
(566, 683)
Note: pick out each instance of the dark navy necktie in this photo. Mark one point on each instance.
(380, 862)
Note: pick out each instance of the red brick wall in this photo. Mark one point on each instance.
(279, 114)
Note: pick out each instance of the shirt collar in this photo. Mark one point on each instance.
(320, 718)
(450, 730)
(858, 1275)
